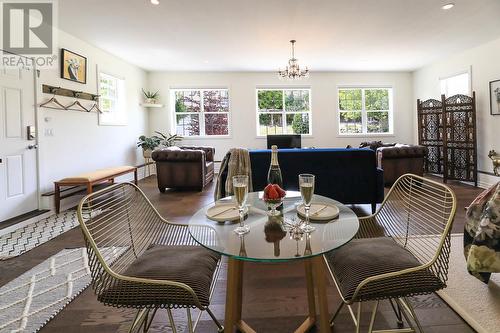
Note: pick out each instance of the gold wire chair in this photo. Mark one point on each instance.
(139, 260)
(402, 250)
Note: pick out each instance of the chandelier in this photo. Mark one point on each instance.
(292, 70)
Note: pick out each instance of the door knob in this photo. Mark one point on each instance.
(35, 146)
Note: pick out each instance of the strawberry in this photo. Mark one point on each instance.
(267, 188)
(280, 191)
(272, 194)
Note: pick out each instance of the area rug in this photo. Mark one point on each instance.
(477, 303)
(28, 302)
(28, 237)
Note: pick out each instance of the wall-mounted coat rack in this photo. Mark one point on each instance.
(53, 103)
(68, 92)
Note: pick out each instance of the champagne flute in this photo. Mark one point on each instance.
(240, 188)
(306, 184)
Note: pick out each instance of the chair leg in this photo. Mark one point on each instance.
(412, 313)
(189, 320)
(220, 328)
(358, 319)
(372, 320)
(400, 304)
(139, 319)
(147, 324)
(171, 320)
(397, 311)
(336, 313)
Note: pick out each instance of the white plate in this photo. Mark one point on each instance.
(319, 212)
(222, 212)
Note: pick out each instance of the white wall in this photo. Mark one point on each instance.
(78, 143)
(242, 91)
(483, 61)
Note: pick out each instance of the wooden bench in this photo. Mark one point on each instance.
(90, 179)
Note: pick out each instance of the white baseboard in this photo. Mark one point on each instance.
(25, 223)
(487, 181)
(484, 181)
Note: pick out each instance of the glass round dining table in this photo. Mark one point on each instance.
(275, 239)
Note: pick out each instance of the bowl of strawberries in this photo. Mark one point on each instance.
(273, 197)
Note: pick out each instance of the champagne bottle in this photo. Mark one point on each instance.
(274, 173)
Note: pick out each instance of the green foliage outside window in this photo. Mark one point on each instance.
(270, 100)
(300, 123)
(351, 108)
(377, 99)
(297, 100)
(179, 105)
(283, 111)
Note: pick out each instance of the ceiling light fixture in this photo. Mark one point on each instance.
(448, 6)
(155, 2)
(292, 71)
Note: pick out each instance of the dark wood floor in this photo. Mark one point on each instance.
(274, 294)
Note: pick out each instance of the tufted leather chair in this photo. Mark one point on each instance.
(186, 167)
(399, 160)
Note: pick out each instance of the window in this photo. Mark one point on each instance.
(112, 100)
(456, 84)
(365, 111)
(283, 111)
(201, 112)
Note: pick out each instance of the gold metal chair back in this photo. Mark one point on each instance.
(119, 224)
(418, 214)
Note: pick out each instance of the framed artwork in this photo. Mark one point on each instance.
(495, 97)
(73, 66)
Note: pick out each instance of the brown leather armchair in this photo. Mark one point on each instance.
(186, 167)
(398, 160)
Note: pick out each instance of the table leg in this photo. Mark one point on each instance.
(310, 289)
(320, 282)
(234, 293)
(311, 319)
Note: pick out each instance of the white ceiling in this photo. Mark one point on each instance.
(253, 35)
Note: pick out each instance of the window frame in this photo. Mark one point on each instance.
(364, 111)
(117, 117)
(283, 113)
(455, 74)
(202, 112)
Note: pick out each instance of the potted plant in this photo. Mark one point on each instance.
(168, 140)
(148, 144)
(150, 97)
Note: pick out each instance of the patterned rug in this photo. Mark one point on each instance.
(28, 302)
(28, 237)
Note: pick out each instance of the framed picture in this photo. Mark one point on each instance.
(495, 97)
(73, 66)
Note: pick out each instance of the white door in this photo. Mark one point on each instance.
(18, 165)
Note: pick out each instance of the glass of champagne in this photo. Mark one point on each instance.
(306, 184)
(240, 188)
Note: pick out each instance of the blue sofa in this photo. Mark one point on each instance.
(349, 176)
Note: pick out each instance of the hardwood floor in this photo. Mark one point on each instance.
(274, 298)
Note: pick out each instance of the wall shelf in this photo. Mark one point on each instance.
(150, 105)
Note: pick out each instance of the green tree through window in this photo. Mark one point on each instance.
(283, 111)
(201, 112)
(364, 110)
